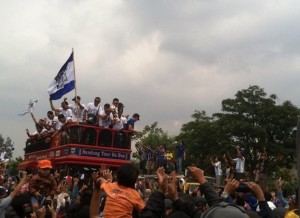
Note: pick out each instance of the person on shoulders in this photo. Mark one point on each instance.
(43, 184)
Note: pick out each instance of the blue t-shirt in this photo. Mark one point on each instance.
(130, 122)
(180, 150)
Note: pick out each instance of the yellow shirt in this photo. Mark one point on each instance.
(169, 156)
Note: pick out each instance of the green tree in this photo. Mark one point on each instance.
(251, 120)
(254, 121)
(7, 145)
(153, 136)
(12, 167)
(203, 138)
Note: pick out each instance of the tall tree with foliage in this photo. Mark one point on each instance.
(254, 121)
(153, 136)
(251, 120)
(203, 138)
(7, 145)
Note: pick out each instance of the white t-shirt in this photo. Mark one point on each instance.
(120, 125)
(66, 113)
(218, 169)
(54, 121)
(240, 164)
(107, 121)
(92, 109)
(40, 133)
(68, 119)
(74, 107)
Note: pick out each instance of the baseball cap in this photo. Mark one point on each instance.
(78, 97)
(44, 164)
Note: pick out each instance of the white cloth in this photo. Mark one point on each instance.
(218, 169)
(240, 164)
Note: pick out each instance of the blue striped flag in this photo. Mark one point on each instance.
(64, 81)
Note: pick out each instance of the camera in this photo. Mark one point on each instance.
(47, 203)
(243, 188)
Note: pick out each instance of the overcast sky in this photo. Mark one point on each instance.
(162, 59)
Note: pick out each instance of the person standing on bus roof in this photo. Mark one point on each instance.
(130, 123)
(91, 112)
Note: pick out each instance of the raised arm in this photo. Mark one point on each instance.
(51, 105)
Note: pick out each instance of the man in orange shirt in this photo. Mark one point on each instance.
(121, 197)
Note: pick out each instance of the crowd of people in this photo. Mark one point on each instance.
(110, 116)
(123, 193)
(152, 158)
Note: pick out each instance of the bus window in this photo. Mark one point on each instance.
(89, 136)
(75, 134)
(120, 140)
(105, 138)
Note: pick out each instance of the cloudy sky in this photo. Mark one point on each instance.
(161, 58)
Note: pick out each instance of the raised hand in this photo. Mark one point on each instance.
(162, 180)
(231, 186)
(255, 188)
(197, 174)
(172, 187)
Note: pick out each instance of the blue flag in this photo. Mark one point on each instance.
(64, 81)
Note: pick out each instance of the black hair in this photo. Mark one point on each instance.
(18, 204)
(50, 112)
(115, 99)
(61, 116)
(38, 126)
(268, 196)
(107, 105)
(127, 175)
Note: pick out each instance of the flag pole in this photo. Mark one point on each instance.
(77, 107)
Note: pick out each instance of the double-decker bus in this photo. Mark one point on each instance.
(80, 146)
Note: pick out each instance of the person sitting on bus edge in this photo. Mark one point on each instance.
(43, 184)
(37, 135)
(105, 116)
(77, 109)
(130, 123)
(52, 123)
(63, 120)
(90, 113)
(63, 110)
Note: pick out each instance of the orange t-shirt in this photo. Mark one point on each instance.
(121, 200)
